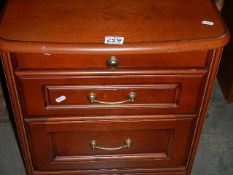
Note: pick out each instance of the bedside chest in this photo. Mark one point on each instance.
(110, 87)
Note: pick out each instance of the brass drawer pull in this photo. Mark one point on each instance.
(112, 62)
(131, 98)
(94, 145)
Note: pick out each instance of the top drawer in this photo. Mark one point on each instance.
(192, 59)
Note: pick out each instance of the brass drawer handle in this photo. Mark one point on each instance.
(112, 62)
(131, 98)
(94, 145)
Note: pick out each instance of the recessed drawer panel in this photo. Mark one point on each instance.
(71, 144)
(194, 59)
(115, 95)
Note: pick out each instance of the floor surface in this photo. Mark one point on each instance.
(214, 156)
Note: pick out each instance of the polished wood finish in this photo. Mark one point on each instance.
(66, 144)
(156, 94)
(198, 59)
(74, 26)
(49, 21)
(169, 59)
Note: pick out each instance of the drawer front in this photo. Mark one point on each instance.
(197, 59)
(73, 145)
(73, 95)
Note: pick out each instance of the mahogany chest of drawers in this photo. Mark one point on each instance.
(88, 103)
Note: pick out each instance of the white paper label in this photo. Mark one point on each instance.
(114, 40)
(60, 99)
(209, 23)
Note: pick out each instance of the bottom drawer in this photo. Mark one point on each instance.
(58, 144)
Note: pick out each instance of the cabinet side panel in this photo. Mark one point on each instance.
(204, 106)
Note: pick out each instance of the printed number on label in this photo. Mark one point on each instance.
(114, 40)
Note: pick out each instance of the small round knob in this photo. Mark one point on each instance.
(112, 62)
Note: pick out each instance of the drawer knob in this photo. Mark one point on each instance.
(112, 62)
(93, 99)
(94, 145)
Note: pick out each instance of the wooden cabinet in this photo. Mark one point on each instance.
(84, 106)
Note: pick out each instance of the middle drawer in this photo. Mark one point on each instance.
(109, 95)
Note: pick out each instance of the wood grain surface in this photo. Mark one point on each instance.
(169, 59)
(69, 23)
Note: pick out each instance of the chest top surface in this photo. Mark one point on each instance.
(88, 22)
